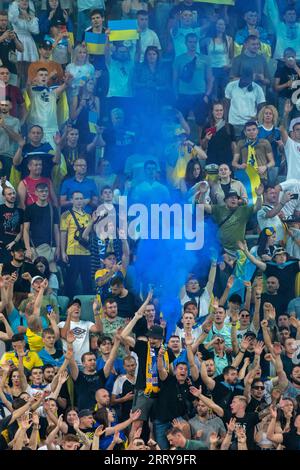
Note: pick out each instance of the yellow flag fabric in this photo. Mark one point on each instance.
(252, 160)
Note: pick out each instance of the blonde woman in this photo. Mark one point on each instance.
(267, 120)
(80, 69)
(21, 15)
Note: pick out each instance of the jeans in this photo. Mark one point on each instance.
(78, 266)
(221, 78)
(195, 103)
(160, 433)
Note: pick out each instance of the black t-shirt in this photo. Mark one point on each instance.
(249, 421)
(40, 223)
(219, 147)
(141, 349)
(287, 364)
(291, 440)
(278, 301)
(127, 306)
(11, 220)
(224, 393)
(6, 47)
(86, 387)
(125, 407)
(256, 405)
(21, 285)
(285, 274)
(174, 400)
(118, 142)
(285, 74)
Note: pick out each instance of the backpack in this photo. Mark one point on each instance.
(187, 73)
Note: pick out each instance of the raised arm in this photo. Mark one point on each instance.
(194, 371)
(162, 371)
(208, 381)
(138, 315)
(260, 264)
(211, 277)
(288, 106)
(112, 356)
(207, 401)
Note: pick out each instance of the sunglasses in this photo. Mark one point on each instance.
(258, 387)
(245, 316)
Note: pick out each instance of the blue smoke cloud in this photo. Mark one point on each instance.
(167, 264)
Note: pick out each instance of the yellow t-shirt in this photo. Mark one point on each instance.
(29, 361)
(34, 340)
(67, 224)
(104, 289)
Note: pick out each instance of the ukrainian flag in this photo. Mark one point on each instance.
(95, 43)
(217, 2)
(251, 180)
(93, 119)
(123, 30)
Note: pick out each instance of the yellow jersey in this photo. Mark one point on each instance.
(29, 361)
(67, 224)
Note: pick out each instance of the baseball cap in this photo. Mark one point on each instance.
(35, 278)
(46, 44)
(293, 123)
(74, 302)
(212, 169)
(57, 22)
(84, 413)
(18, 247)
(279, 251)
(155, 332)
(231, 194)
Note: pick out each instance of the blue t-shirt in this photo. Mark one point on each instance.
(15, 320)
(118, 366)
(87, 187)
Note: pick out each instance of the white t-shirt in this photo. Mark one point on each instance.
(46, 448)
(275, 222)
(118, 385)
(204, 302)
(81, 344)
(35, 391)
(292, 153)
(120, 78)
(243, 104)
(148, 38)
(196, 332)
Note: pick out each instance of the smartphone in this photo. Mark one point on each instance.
(49, 308)
(295, 196)
(211, 130)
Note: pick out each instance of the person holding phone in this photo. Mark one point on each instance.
(218, 136)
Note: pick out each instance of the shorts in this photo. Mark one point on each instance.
(144, 403)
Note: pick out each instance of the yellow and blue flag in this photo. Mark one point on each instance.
(93, 119)
(123, 30)
(251, 180)
(217, 2)
(95, 43)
